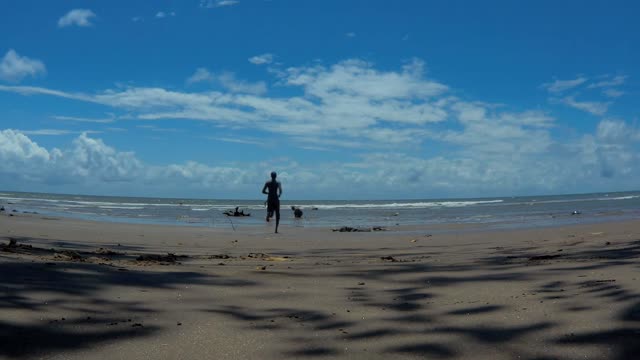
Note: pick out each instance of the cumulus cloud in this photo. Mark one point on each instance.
(261, 59)
(587, 163)
(14, 67)
(559, 86)
(77, 17)
(354, 106)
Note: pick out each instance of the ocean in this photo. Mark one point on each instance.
(498, 212)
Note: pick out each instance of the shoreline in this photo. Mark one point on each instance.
(75, 289)
(393, 225)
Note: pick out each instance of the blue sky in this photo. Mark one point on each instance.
(345, 99)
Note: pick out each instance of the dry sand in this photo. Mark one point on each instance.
(83, 290)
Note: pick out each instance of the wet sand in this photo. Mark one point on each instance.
(74, 289)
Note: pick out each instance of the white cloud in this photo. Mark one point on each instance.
(83, 119)
(261, 59)
(350, 34)
(78, 17)
(348, 100)
(592, 107)
(585, 163)
(201, 75)
(217, 3)
(398, 114)
(56, 132)
(228, 81)
(137, 19)
(160, 15)
(617, 132)
(234, 85)
(559, 86)
(609, 82)
(46, 132)
(612, 93)
(14, 67)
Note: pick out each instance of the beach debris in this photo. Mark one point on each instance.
(219, 256)
(105, 251)
(414, 240)
(357, 229)
(69, 255)
(262, 268)
(388, 258)
(13, 246)
(544, 257)
(169, 258)
(267, 257)
(608, 243)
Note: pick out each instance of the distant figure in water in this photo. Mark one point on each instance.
(236, 213)
(297, 212)
(273, 189)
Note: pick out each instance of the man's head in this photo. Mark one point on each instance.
(273, 175)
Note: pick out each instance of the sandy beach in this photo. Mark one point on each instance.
(72, 289)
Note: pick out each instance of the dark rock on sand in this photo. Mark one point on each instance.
(388, 258)
(355, 229)
(169, 258)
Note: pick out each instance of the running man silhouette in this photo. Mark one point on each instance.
(273, 199)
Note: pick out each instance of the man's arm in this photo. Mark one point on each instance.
(264, 189)
(279, 190)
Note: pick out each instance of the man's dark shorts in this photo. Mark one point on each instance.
(273, 205)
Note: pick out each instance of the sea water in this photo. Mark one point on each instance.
(498, 212)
